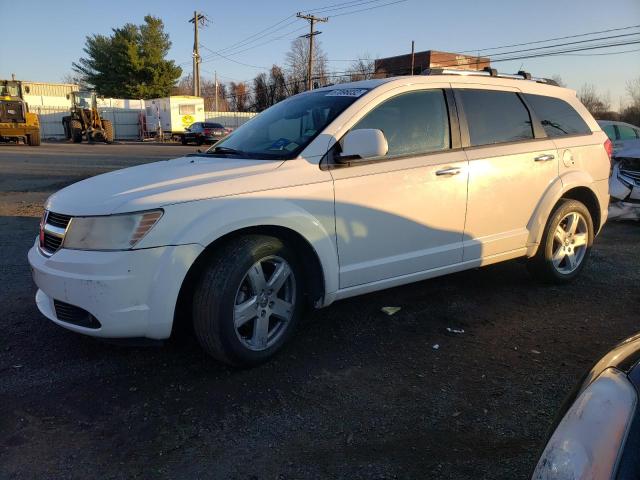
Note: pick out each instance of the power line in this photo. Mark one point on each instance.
(214, 53)
(599, 54)
(551, 39)
(367, 9)
(521, 57)
(229, 47)
(231, 59)
(342, 6)
(233, 49)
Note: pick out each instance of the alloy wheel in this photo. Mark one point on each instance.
(264, 303)
(570, 241)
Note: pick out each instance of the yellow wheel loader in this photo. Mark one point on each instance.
(16, 122)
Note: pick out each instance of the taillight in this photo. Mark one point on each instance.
(207, 131)
(608, 146)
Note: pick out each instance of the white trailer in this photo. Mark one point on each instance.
(171, 115)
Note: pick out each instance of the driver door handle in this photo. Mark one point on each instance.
(544, 158)
(448, 171)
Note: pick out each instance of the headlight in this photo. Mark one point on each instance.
(112, 232)
(589, 439)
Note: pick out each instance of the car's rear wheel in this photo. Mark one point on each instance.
(248, 300)
(566, 243)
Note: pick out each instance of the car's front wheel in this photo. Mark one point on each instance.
(566, 243)
(248, 300)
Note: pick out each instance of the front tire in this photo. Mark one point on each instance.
(76, 131)
(248, 300)
(108, 131)
(33, 139)
(565, 245)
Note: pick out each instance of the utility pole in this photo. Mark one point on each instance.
(413, 56)
(215, 73)
(312, 20)
(197, 19)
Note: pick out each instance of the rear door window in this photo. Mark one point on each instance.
(495, 117)
(413, 123)
(558, 118)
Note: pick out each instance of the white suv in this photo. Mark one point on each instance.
(335, 192)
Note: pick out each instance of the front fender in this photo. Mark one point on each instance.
(203, 222)
(552, 195)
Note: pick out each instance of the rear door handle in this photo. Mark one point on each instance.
(448, 171)
(544, 158)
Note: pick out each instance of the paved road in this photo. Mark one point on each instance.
(28, 175)
(357, 394)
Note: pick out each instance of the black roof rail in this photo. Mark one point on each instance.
(490, 72)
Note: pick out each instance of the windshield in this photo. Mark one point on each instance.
(10, 88)
(284, 130)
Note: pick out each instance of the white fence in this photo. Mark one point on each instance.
(126, 121)
(229, 119)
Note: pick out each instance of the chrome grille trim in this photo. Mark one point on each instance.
(54, 228)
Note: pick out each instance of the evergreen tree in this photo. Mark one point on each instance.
(130, 63)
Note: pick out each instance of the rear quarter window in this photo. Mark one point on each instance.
(610, 130)
(558, 118)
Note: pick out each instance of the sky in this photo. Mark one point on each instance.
(52, 34)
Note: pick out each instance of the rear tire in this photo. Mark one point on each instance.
(565, 245)
(108, 131)
(184, 141)
(76, 131)
(248, 300)
(34, 139)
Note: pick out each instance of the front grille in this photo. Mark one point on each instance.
(58, 220)
(51, 242)
(68, 313)
(53, 232)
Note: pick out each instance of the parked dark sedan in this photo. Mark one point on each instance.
(597, 431)
(204, 132)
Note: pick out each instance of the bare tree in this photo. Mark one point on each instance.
(207, 90)
(633, 89)
(297, 59)
(278, 85)
(239, 96)
(74, 79)
(260, 92)
(558, 79)
(631, 114)
(597, 104)
(361, 69)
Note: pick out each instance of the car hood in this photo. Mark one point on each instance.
(162, 183)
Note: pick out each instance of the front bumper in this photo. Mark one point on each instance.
(131, 293)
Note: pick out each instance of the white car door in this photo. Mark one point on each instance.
(403, 212)
(510, 168)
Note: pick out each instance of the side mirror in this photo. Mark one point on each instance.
(362, 144)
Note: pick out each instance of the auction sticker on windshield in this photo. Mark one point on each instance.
(346, 92)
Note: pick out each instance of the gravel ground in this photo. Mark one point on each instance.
(357, 394)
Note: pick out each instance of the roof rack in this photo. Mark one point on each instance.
(489, 72)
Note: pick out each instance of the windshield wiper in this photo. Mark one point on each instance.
(225, 150)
